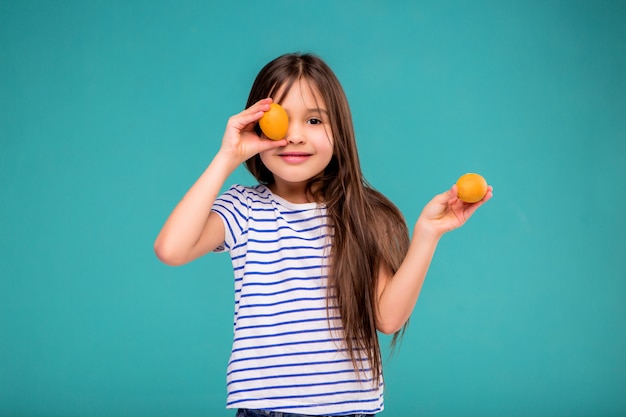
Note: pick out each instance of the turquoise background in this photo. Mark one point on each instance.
(109, 110)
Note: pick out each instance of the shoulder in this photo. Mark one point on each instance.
(246, 195)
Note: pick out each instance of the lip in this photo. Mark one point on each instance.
(294, 157)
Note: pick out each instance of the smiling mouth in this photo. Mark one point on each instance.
(294, 157)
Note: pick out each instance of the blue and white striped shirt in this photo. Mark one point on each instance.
(287, 352)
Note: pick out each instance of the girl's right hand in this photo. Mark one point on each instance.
(240, 141)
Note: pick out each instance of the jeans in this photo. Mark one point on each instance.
(262, 413)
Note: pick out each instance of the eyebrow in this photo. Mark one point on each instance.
(317, 109)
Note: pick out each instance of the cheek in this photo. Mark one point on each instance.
(263, 158)
(329, 149)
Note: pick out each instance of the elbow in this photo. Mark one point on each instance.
(389, 328)
(166, 254)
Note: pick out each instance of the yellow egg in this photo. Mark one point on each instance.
(275, 122)
(471, 187)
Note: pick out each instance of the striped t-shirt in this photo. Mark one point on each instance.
(287, 355)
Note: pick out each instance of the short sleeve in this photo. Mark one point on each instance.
(233, 208)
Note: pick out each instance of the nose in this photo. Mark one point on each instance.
(295, 134)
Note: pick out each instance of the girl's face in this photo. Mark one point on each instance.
(310, 143)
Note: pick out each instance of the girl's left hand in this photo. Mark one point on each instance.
(446, 212)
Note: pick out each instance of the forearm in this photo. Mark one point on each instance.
(399, 295)
(186, 224)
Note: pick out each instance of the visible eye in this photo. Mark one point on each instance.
(314, 121)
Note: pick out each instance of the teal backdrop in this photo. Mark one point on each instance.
(109, 110)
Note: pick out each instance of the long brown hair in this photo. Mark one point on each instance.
(369, 230)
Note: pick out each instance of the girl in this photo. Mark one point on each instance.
(322, 261)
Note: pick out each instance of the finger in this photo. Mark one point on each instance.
(252, 114)
(453, 194)
(471, 208)
(262, 105)
(245, 120)
(487, 196)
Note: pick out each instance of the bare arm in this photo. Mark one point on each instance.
(192, 229)
(398, 294)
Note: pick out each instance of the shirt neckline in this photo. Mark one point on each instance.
(289, 204)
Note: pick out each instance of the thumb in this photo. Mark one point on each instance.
(448, 197)
(267, 144)
(440, 203)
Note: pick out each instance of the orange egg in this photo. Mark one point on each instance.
(471, 187)
(274, 122)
